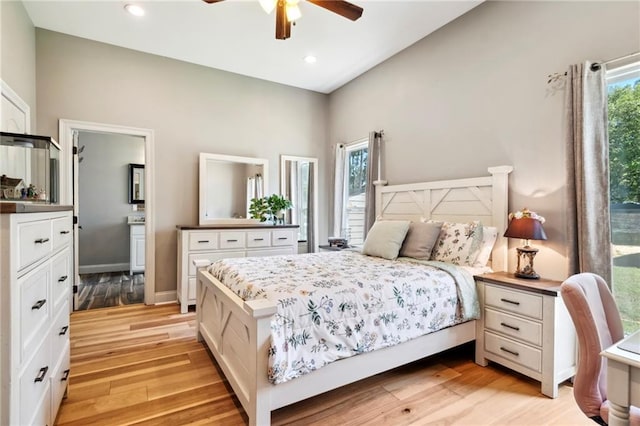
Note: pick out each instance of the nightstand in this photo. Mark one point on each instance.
(526, 327)
(335, 248)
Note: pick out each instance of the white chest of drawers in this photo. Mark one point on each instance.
(212, 243)
(526, 327)
(36, 274)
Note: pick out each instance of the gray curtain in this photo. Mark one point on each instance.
(373, 163)
(589, 233)
(311, 237)
(338, 190)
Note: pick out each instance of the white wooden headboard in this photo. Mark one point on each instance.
(459, 200)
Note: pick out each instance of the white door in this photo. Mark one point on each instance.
(76, 227)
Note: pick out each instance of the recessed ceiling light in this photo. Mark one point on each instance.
(310, 59)
(134, 9)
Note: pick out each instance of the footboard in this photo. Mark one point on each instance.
(238, 335)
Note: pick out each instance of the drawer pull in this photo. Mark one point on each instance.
(39, 304)
(41, 374)
(203, 241)
(232, 241)
(63, 330)
(509, 351)
(65, 375)
(41, 240)
(62, 278)
(510, 301)
(513, 327)
(258, 239)
(283, 238)
(64, 232)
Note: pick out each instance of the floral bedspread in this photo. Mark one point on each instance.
(339, 304)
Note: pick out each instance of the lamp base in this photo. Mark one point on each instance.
(525, 258)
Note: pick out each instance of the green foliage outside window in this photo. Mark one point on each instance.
(357, 163)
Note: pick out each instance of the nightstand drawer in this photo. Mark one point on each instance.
(514, 301)
(520, 328)
(517, 352)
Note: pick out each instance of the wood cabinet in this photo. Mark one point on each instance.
(526, 327)
(136, 248)
(212, 243)
(36, 271)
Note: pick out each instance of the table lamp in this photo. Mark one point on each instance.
(526, 225)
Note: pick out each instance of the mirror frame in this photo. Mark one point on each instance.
(283, 185)
(132, 168)
(202, 191)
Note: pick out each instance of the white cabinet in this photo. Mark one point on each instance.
(136, 249)
(526, 327)
(220, 242)
(36, 275)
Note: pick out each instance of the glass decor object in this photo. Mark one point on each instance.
(29, 168)
(526, 225)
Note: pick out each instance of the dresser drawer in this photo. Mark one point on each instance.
(211, 257)
(60, 331)
(61, 278)
(514, 301)
(519, 353)
(35, 384)
(61, 231)
(282, 238)
(520, 328)
(34, 241)
(34, 308)
(232, 240)
(203, 240)
(59, 380)
(258, 239)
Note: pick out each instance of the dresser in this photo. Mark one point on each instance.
(36, 274)
(212, 243)
(526, 327)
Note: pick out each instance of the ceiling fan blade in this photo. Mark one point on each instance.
(342, 8)
(283, 26)
(212, 1)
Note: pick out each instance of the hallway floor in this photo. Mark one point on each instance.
(110, 289)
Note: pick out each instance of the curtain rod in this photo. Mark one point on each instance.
(596, 66)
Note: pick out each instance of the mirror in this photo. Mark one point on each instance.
(227, 185)
(136, 183)
(298, 182)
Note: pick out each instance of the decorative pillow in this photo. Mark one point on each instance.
(385, 238)
(489, 237)
(420, 240)
(458, 243)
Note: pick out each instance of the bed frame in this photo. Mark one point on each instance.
(238, 332)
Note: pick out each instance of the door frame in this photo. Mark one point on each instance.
(66, 129)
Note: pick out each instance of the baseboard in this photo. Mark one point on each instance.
(107, 267)
(166, 297)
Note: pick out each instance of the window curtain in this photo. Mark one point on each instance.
(311, 237)
(338, 190)
(589, 233)
(373, 174)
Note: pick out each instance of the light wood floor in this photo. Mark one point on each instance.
(142, 365)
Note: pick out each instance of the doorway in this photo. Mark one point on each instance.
(75, 182)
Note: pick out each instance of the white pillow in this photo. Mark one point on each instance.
(458, 243)
(385, 238)
(489, 237)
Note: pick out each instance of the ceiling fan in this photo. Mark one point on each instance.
(287, 11)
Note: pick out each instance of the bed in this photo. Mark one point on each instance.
(238, 332)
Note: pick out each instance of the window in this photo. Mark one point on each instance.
(354, 194)
(623, 88)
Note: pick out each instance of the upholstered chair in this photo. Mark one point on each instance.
(598, 326)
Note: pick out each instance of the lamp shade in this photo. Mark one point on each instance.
(525, 228)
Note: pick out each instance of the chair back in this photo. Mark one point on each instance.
(598, 325)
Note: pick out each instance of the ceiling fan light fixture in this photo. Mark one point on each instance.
(293, 10)
(134, 9)
(268, 5)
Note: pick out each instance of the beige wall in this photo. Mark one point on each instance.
(18, 53)
(475, 94)
(191, 109)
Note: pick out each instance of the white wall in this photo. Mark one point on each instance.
(18, 53)
(191, 109)
(474, 94)
(103, 182)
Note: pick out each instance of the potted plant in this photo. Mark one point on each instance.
(270, 208)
